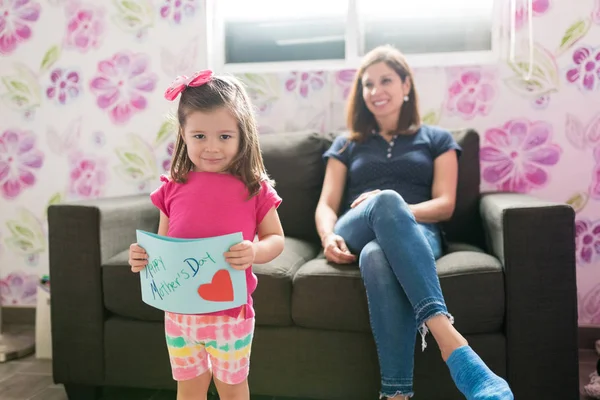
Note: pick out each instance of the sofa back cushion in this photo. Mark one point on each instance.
(294, 161)
(465, 224)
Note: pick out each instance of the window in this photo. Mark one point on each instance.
(267, 34)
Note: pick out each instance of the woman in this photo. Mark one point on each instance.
(399, 179)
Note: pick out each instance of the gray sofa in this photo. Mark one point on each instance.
(508, 277)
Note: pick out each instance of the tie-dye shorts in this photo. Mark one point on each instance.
(198, 343)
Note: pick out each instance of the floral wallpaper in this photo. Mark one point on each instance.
(82, 114)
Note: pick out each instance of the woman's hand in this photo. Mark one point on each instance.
(363, 197)
(138, 258)
(336, 250)
(241, 256)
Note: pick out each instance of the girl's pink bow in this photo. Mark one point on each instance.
(181, 82)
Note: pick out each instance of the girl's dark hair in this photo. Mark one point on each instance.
(360, 120)
(223, 91)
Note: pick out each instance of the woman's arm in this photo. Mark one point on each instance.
(331, 197)
(327, 210)
(443, 191)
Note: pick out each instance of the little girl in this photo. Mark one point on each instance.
(217, 185)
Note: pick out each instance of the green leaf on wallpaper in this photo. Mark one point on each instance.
(531, 88)
(50, 58)
(15, 86)
(27, 76)
(264, 87)
(573, 33)
(127, 157)
(27, 235)
(128, 173)
(431, 118)
(167, 129)
(132, 6)
(133, 158)
(578, 201)
(16, 102)
(133, 15)
(22, 247)
(138, 162)
(544, 77)
(56, 198)
(23, 89)
(20, 230)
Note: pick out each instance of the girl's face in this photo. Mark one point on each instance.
(212, 139)
(383, 90)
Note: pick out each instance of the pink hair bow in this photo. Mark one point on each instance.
(181, 82)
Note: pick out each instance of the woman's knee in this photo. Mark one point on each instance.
(374, 265)
(390, 202)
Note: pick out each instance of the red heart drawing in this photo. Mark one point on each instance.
(220, 289)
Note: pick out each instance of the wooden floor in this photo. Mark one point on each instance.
(31, 379)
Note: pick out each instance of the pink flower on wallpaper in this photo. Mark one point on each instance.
(539, 8)
(595, 185)
(16, 18)
(471, 92)
(19, 160)
(585, 73)
(88, 176)
(85, 26)
(121, 84)
(589, 306)
(64, 86)
(516, 157)
(176, 10)
(303, 82)
(18, 288)
(587, 239)
(344, 79)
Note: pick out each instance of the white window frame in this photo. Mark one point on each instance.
(216, 47)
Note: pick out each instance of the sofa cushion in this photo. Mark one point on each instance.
(330, 296)
(273, 295)
(272, 298)
(465, 224)
(294, 161)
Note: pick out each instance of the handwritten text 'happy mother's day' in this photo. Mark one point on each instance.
(167, 287)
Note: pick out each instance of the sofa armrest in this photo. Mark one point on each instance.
(81, 236)
(535, 241)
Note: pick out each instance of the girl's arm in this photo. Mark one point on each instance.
(163, 224)
(270, 238)
(269, 245)
(443, 191)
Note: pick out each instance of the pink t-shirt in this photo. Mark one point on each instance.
(213, 204)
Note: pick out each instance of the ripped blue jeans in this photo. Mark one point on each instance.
(397, 262)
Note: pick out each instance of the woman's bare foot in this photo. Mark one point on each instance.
(447, 338)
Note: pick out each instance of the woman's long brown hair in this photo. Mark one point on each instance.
(223, 91)
(360, 121)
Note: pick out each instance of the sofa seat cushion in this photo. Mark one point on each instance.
(273, 295)
(330, 296)
(272, 298)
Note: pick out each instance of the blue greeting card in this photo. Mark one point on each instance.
(191, 276)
